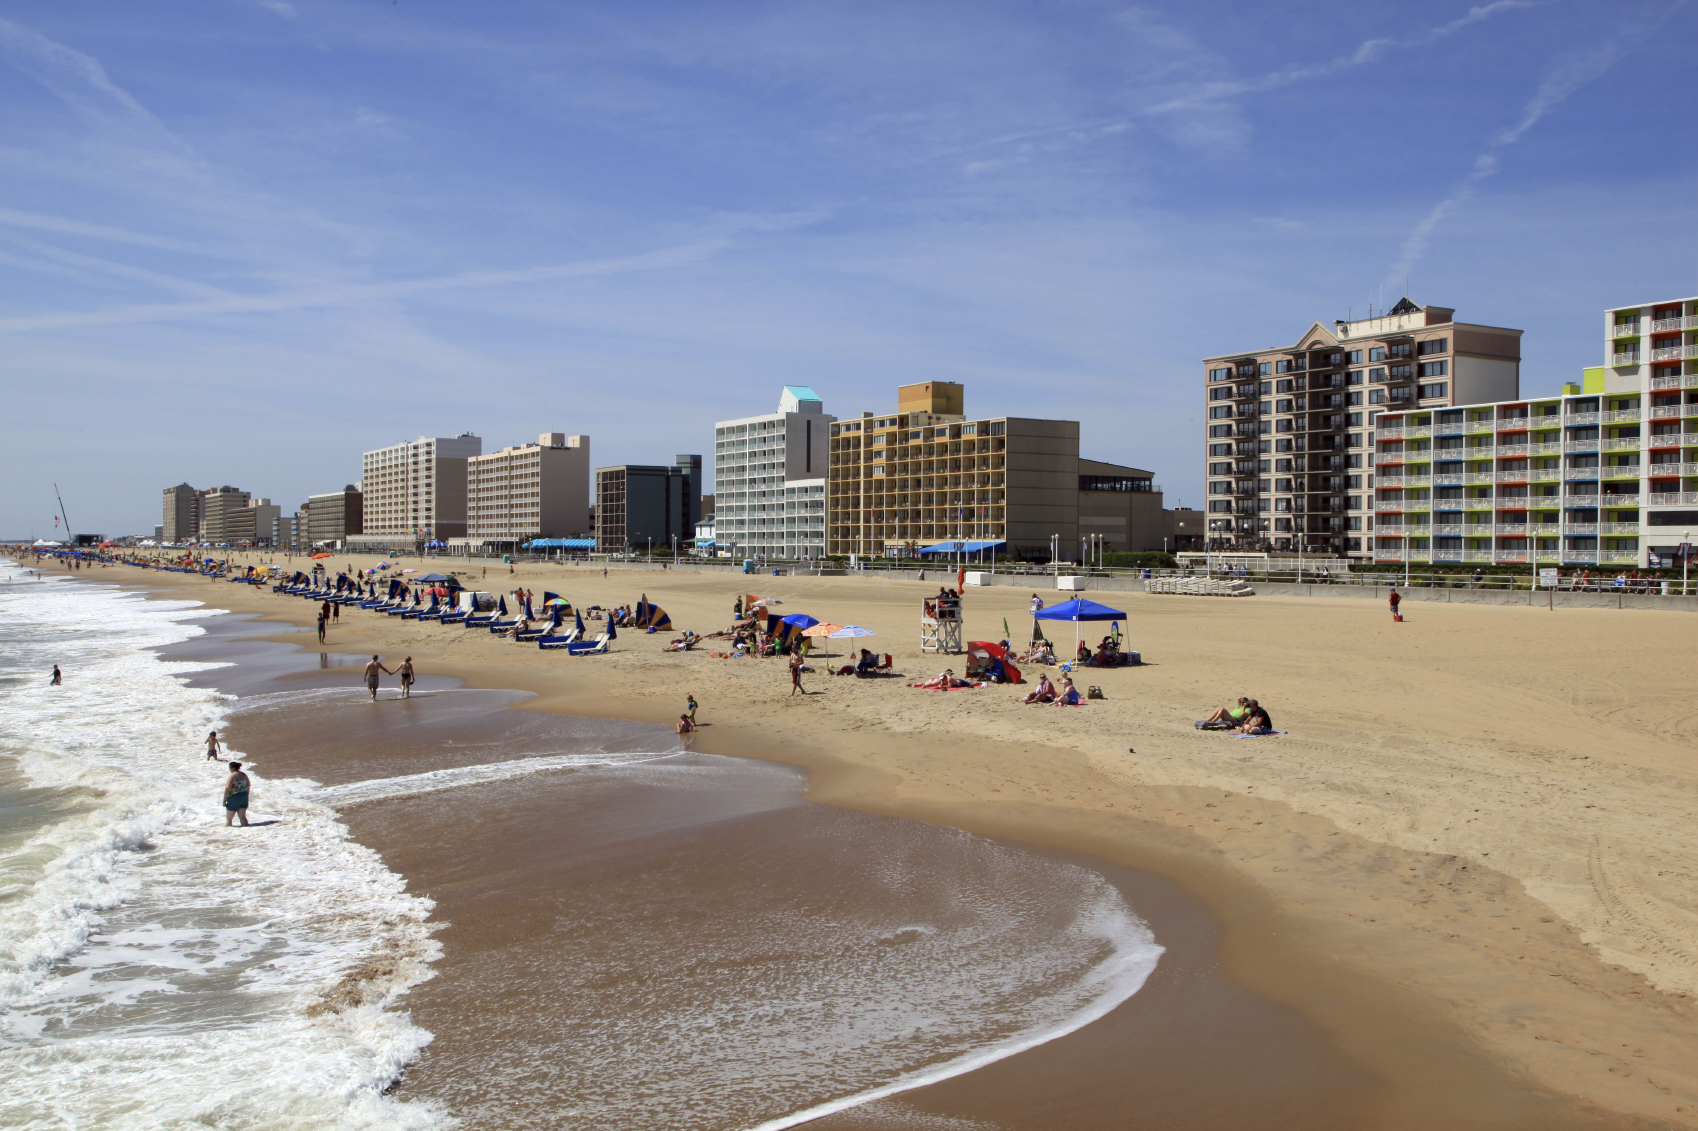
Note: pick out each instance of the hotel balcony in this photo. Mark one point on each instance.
(1618, 528)
(1622, 471)
(1625, 329)
(1673, 499)
(1579, 419)
(1617, 500)
(1686, 381)
(1620, 556)
(1668, 411)
(1631, 357)
(1511, 451)
(1511, 424)
(1664, 325)
(1674, 353)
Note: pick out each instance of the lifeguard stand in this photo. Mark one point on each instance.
(940, 625)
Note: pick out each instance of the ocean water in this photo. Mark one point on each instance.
(687, 944)
(156, 968)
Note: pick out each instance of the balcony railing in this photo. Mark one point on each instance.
(1621, 555)
(1543, 529)
(1687, 381)
(1446, 529)
(1581, 446)
(1625, 329)
(1513, 476)
(1664, 325)
(1417, 480)
(1581, 529)
(1674, 353)
(1545, 474)
(1511, 451)
(1666, 411)
(1631, 357)
(1618, 528)
(1510, 530)
(1477, 556)
(1544, 448)
(1481, 477)
(1621, 415)
(1512, 424)
(1621, 471)
(1389, 433)
(1580, 556)
(1576, 419)
(1618, 500)
(1673, 498)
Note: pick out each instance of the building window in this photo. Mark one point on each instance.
(1434, 368)
(1376, 376)
(1437, 390)
(1221, 393)
(1219, 412)
(1434, 345)
(1354, 357)
(1376, 396)
(1220, 374)
(1219, 506)
(1220, 487)
(1220, 429)
(1282, 445)
(1220, 469)
(1264, 369)
(1378, 353)
(1220, 449)
(1282, 367)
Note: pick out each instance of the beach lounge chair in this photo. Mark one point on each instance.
(565, 641)
(588, 647)
(455, 617)
(480, 620)
(535, 633)
(498, 626)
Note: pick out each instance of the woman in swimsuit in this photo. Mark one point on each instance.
(406, 670)
(236, 795)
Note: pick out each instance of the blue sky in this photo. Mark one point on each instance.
(242, 241)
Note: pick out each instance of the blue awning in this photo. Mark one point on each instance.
(562, 544)
(960, 547)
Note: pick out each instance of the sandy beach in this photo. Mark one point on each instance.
(1467, 863)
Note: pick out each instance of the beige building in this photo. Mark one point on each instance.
(182, 515)
(1120, 508)
(927, 474)
(1290, 441)
(254, 524)
(530, 491)
(415, 492)
(218, 505)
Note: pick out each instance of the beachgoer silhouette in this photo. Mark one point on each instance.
(212, 747)
(371, 676)
(58, 678)
(236, 795)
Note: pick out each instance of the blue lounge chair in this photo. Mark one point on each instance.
(565, 641)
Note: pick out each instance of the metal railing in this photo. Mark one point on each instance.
(1620, 414)
(1674, 353)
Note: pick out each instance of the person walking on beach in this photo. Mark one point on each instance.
(1037, 604)
(336, 613)
(371, 676)
(236, 796)
(691, 704)
(796, 676)
(406, 670)
(213, 747)
(1395, 600)
(58, 679)
(321, 624)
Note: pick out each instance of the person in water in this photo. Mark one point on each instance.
(213, 746)
(58, 679)
(372, 670)
(236, 795)
(406, 670)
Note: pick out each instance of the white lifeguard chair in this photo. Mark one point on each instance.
(940, 625)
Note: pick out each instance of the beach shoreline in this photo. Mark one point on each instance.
(1403, 998)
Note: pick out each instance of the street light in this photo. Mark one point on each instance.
(1685, 556)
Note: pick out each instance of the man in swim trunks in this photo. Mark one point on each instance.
(371, 676)
(406, 670)
(212, 747)
(236, 796)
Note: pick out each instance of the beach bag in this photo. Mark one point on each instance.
(1094, 693)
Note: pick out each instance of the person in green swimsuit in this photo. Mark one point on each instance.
(236, 795)
(1233, 716)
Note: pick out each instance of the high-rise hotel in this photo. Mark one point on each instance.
(1290, 440)
(1604, 473)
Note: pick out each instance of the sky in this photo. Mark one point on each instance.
(244, 241)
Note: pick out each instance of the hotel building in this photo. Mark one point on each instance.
(648, 506)
(333, 516)
(769, 480)
(218, 505)
(415, 492)
(1290, 442)
(926, 474)
(529, 491)
(182, 515)
(1604, 474)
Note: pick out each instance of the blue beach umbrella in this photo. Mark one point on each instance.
(579, 617)
(801, 620)
(502, 605)
(1078, 610)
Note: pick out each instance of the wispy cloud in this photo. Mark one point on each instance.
(79, 81)
(1568, 74)
(346, 294)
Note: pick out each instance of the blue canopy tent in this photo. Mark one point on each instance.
(1078, 610)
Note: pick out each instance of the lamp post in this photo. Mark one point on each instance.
(1685, 556)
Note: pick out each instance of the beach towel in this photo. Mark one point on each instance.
(1270, 734)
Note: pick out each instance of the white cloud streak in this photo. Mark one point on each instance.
(1567, 75)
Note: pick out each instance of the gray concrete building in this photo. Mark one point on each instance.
(219, 504)
(639, 506)
(335, 516)
(182, 514)
(529, 491)
(415, 492)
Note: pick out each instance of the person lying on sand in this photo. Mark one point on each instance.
(1043, 693)
(1231, 716)
(944, 681)
(684, 643)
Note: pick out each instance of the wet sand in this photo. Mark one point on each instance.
(1339, 941)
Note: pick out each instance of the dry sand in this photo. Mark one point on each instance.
(1469, 861)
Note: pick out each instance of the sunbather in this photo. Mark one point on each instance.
(944, 681)
(1043, 693)
(1227, 716)
(1067, 695)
